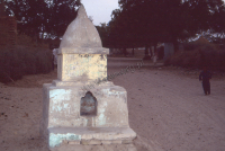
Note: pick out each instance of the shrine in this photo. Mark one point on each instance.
(73, 115)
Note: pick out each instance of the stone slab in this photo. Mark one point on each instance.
(81, 50)
(111, 147)
(90, 135)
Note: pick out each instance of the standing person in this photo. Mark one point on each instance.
(205, 76)
(155, 57)
(55, 53)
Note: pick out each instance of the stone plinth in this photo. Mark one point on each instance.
(74, 112)
(63, 122)
(90, 136)
(64, 106)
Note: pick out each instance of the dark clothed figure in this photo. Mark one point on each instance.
(205, 76)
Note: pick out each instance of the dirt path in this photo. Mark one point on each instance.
(165, 109)
(171, 110)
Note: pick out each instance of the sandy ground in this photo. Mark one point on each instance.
(167, 109)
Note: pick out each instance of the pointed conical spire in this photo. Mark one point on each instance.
(81, 33)
(82, 12)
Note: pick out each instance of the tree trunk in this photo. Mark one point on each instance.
(155, 45)
(146, 50)
(125, 52)
(155, 56)
(151, 51)
(175, 44)
(146, 57)
(133, 52)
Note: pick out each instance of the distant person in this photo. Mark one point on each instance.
(155, 57)
(55, 53)
(205, 76)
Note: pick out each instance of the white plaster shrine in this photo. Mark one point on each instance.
(74, 113)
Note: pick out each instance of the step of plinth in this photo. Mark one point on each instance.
(90, 135)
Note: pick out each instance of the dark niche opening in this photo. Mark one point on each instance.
(88, 105)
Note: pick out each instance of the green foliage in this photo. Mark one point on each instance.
(19, 61)
(36, 17)
(103, 31)
(148, 22)
(59, 15)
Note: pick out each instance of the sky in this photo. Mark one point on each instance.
(100, 10)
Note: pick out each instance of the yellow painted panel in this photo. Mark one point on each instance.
(75, 66)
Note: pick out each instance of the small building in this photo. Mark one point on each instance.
(168, 50)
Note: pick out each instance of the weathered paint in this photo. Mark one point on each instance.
(111, 109)
(60, 94)
(82, 66)
(65, 105)
(84, 121)
(57, 96)
(56, 139)
(102, 120)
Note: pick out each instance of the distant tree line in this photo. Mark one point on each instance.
(145, 23)
(137, 23)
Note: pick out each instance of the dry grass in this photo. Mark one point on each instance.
(17, 61)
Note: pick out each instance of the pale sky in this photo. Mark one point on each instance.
(100, 10)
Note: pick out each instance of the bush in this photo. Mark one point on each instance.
(18, 61)
(198, 58)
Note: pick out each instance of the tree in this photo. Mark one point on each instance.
(149, 22)
(217, 23)
(39, 17)
(60, 15)
(103, 31)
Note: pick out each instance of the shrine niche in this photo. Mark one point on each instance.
(88, 105)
